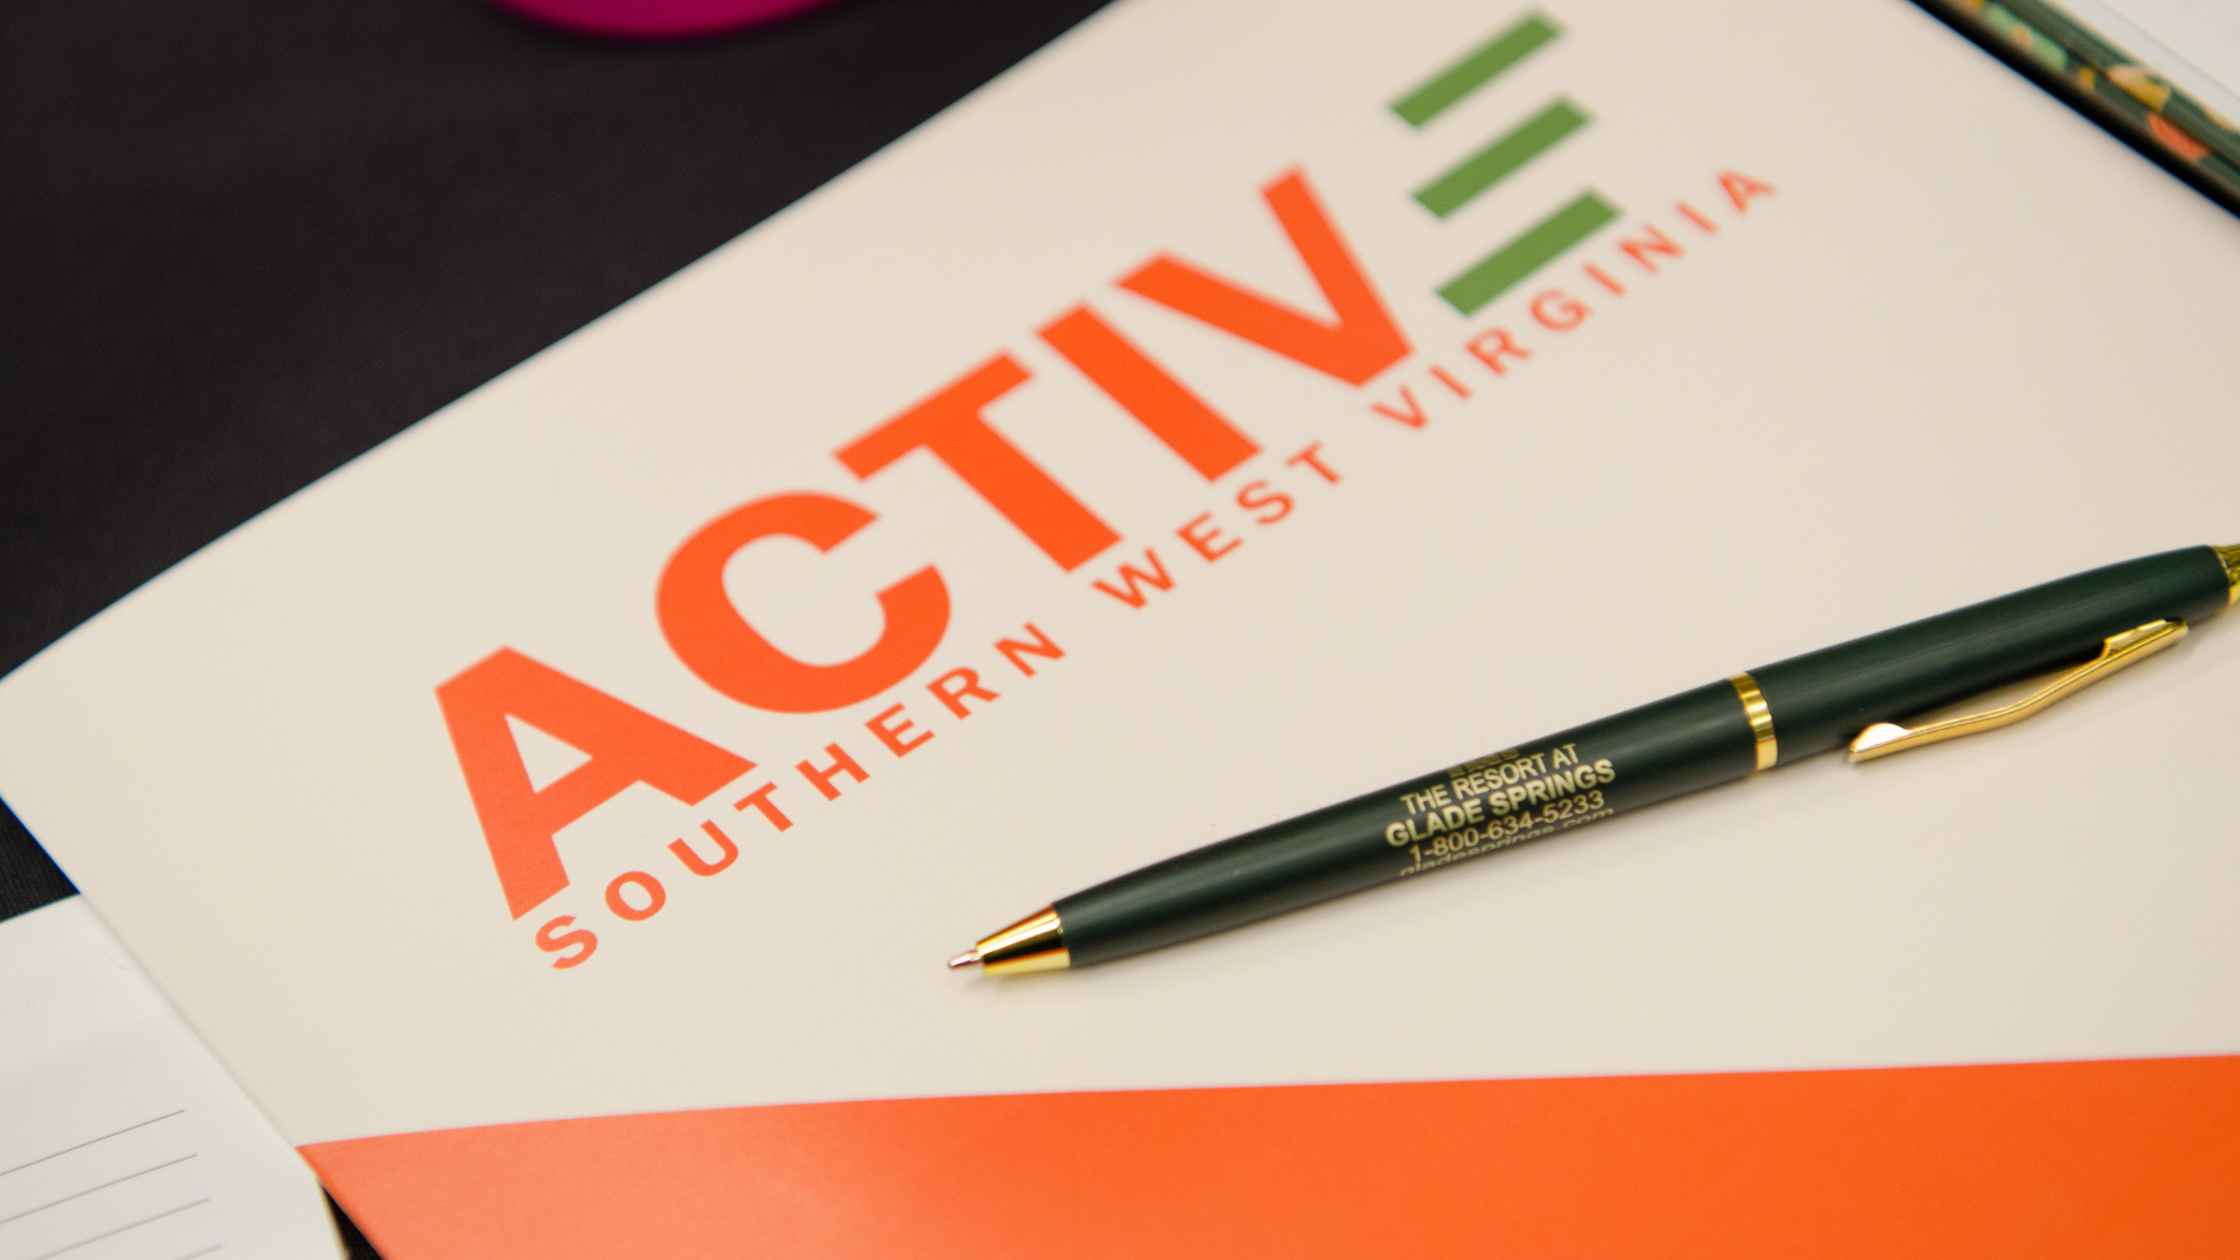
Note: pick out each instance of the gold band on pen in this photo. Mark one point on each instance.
(1761, 719)
(2231, 557)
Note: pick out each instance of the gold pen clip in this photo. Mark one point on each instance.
(2119, 652)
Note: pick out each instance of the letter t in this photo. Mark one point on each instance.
(950, 425)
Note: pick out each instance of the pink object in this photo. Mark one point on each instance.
(654, 19)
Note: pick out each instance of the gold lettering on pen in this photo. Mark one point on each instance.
(1432, 798)
(1497, 801)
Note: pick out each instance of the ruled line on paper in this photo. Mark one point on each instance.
(91, 1141)
(113, 1116)
(145, 1220)
(103, 1186)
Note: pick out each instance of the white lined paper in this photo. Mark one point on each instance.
(121, 1138)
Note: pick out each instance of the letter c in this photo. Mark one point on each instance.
(718, 645)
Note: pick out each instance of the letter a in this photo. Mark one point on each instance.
(1742, 190)
(1359, 343)
(626, 746)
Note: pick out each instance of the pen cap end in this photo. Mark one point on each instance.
(1875, 741)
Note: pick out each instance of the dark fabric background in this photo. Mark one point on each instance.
(242, 241)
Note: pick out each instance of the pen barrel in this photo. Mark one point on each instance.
(1693, 740)
(1824, 698)
(1677, 745)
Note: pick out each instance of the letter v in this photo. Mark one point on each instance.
(1361, 342)
(1413, 417)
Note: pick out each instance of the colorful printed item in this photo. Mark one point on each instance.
(2172, 119)
(655, 19)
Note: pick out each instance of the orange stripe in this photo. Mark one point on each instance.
(2128, 1158)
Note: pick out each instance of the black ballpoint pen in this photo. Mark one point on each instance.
(2089, 626)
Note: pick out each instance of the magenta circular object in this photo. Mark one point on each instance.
(654, 19)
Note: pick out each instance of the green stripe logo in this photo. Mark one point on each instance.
(1531, 250)
(1477, 69)
(1490, 165)
(1503, 156)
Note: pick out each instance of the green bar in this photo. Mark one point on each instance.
(1490, 165)
(1476, 70)
(1532, 250)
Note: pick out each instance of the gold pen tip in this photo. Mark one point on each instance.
(964, 959)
